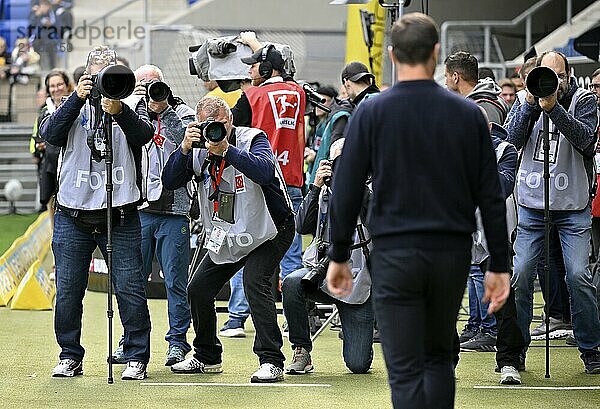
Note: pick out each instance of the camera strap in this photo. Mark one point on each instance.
(216, 172)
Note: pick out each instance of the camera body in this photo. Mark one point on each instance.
(157, 90)
(212, 131)
(315, 276)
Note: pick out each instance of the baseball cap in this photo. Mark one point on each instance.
(355, 70)
(273, 56)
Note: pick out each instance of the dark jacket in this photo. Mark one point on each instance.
(487, 95)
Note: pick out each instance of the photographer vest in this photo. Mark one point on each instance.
(361, 278)
(82, 180)
(278, 109)
(154, 157)
(569, 180)
(253, 225)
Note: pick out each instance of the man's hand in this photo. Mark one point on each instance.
(339, 279)
(140, 89)
(529, 97)
(497, 288)
(192, 134)
(309, 155)
(84, 86)
(249, 38)
(323, 171)
(217, 148)
(111, 106)
(548, 103)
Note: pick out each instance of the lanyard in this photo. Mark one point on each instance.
(215, 176)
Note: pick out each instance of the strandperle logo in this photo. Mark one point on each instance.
(82, 32)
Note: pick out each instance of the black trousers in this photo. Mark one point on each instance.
(259, 267)
(417, 294)
(509, 342)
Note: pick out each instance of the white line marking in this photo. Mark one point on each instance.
(235, 385)
(541, 388)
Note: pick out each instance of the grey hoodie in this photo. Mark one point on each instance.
(486, 95)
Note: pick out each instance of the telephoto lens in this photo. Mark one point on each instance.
(158, 91)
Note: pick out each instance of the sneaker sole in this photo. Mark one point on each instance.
(306, 370)
(557, 334)
(229, 333)
(206, 370)
(594, 371)
(485, 348)
(67, 375)
(134, 378)
(255, 379)
(510, 381)
(171, 362)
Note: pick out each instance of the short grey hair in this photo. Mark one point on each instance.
(212, 107)
(100, 56)
(150, 68)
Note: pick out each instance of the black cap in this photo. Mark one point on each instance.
(273, 56)
(328, 91)
(355, 70)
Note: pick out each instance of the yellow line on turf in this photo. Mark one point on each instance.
(541, 388)
(279, 385)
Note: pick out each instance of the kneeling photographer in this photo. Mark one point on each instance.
(81, 127)
(249, 223)
(356, 310)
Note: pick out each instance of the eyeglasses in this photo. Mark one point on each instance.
(594, 87)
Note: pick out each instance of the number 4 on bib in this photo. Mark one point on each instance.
(283, 157)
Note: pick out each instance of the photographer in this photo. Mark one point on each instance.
(80, 221)
(249, 223)
(573, 119)
(164, 221)
(356, 310)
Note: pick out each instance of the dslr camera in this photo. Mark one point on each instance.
(157, 90)
(315, 276)
(212, 131)
(114, 82)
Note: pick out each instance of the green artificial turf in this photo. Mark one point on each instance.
(12, 226)
(28, 352)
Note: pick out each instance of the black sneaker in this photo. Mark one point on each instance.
(570, 340)
(591, 360)
(174, 355)
(467, 333)
(481, 342)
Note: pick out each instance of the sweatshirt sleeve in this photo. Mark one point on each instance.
(178, 170)
(489, 199)
(136, 124)
(258, 163)
(580, 129)
(517, 122)
(349, 184)
(55, 128)
(506, 170)
(307, 215)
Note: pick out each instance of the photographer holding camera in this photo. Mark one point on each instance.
(80, 221)
(164, 220)
(249, 223)
(356, 310)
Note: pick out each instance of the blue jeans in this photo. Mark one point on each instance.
(73, 250)
(357, 322)
(478, 316)
(238, 307)
(574, 229)
(168, 236)
(292, 260)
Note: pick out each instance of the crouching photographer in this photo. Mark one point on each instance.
(356, 311)
(80, 128)
(249, 223)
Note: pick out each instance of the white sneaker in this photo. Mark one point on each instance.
(134, 371)
(192, 365)
(267, 373)
(233, 333)
(509, 376)
(67, 368)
